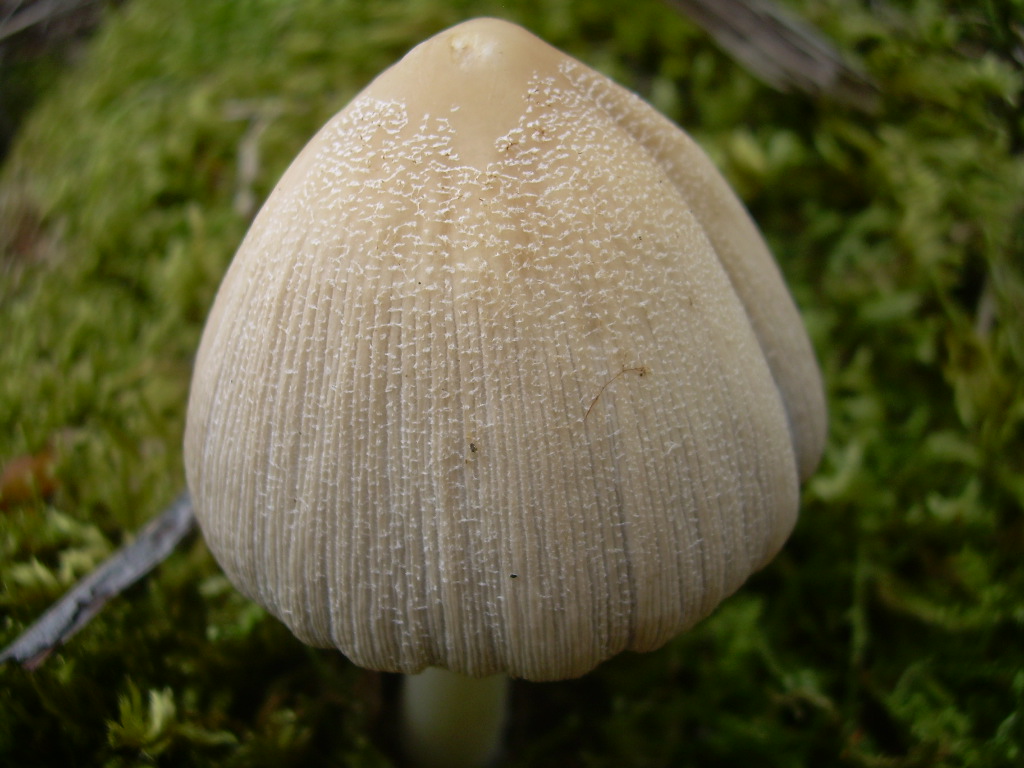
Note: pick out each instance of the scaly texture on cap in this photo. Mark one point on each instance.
(503, 377)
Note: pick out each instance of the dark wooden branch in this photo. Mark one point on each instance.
(151, 547)
(16, 17)
(780, 49)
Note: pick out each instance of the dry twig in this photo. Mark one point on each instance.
(780, 49)
(126, 566)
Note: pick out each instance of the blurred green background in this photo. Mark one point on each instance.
(889, 632)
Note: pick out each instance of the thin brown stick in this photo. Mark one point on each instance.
(640, 370)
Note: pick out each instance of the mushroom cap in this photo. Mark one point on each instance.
(502, 378)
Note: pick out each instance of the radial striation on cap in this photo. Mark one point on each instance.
(503, 377)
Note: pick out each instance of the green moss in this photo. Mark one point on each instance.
(888, 633)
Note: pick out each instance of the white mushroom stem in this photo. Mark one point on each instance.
(451, 720)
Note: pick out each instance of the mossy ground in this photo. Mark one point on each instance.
(890, 632)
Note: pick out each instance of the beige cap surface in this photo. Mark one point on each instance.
(503, 377)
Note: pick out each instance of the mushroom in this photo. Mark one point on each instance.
(503, 378)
